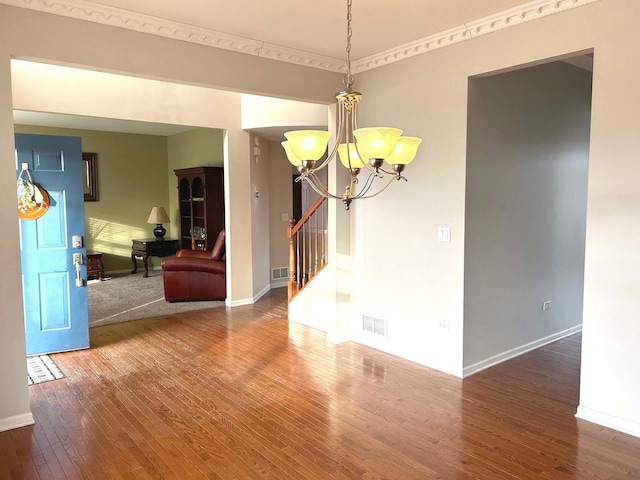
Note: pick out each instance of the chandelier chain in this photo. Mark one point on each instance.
(348, 78)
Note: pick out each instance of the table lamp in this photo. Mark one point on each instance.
(158, 216)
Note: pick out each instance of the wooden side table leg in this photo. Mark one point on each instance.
(101, 269)
(135, 264)
(145, 261)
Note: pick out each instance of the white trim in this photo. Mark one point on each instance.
(280, 284)
(290, 55)
(511, 17)
(337, 339)
(421, 358)
(261, 293)
(248, 301)
(609, 421)
(516, 352)
(408, 50)
(116, 17)
(16, 421)
(238, 303)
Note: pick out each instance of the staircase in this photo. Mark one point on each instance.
(307, 247)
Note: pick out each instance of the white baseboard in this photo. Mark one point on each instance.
(280, 284)
(16, 421)
(609, 421)
(421, 358)
(261, 293)
(238, 303)
(248, 301)
(304, 321)
(336, 339)
(515, 352)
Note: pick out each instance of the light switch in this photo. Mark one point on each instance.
(284, 217)
(444, 234)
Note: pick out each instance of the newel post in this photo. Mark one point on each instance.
(292, 285)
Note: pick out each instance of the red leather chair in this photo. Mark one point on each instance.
(196, 274)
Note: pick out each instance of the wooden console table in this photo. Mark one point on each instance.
(151, 247)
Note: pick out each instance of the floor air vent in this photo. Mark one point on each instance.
(375, 325)
(279, 273)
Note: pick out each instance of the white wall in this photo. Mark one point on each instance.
(262, 112)
(260, 220)
(273, 176)
(405, 274)
(401, 272)
(14, 401)
(399, 269)
(280, 202)
(526, 208)
(108, 49)
(76, 91)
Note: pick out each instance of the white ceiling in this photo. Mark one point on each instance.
(318, 28)
(44, 119)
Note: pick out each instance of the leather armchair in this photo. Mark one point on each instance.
(196, 274)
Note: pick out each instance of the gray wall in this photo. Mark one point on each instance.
(260, 225)
(526, 201)
(280, 201)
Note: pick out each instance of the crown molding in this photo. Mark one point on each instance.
(92, 12)
(526, 12)
(284, 54)
(115, 17)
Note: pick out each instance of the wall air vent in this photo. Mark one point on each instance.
(279, 273)
(374, 325)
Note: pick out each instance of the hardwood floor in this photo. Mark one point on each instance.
(241, 394)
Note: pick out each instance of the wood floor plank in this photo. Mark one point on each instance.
(241, 394)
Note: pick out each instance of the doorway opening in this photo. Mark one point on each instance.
(526, 200)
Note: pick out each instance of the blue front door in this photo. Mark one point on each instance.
(55, 302)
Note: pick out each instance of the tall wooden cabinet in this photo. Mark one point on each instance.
(201, 198)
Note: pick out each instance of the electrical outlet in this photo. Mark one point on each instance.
(444, 326)
(444, 234)
(546, 305)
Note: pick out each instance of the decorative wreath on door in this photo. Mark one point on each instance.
(33, 200)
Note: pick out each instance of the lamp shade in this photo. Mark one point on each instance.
(293, 160)
(350, 157)
(308, 144)
(158, 215)
(377, 142)
(405, 151)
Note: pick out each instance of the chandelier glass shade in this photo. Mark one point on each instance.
(379, 151)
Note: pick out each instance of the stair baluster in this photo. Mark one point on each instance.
(307, 254)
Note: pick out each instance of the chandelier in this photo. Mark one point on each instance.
(359, 149)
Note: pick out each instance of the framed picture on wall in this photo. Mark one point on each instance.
(90, 176)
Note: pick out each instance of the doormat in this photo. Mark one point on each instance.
(42, 369)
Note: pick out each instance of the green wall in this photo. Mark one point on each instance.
(132, 178)
(195, 148)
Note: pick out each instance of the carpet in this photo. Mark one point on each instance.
(42, 369)
(124, 298)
